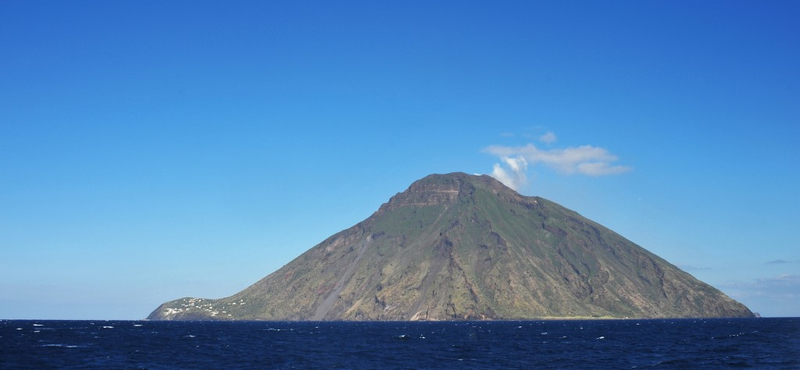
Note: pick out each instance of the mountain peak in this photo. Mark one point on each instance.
(461, 178)
(446, 189)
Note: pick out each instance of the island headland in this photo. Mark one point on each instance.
(466, 247)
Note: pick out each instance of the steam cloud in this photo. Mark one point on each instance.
(516, 177)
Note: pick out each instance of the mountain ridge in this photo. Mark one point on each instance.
(458, 246)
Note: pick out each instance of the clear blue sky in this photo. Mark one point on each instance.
(153, 150)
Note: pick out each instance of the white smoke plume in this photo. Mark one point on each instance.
(516, 177)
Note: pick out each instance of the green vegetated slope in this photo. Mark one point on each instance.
(458, 246)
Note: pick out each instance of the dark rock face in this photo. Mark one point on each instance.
(457, 246)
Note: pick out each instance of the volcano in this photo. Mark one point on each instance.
(464, 247)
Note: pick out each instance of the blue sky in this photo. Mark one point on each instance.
(152, 150)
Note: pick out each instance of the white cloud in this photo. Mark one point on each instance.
(516, 177)
(548, 138)
(782, 286)
(601, 169)
(693, 268)
(780, 261)
(586, 160)
(774, 296)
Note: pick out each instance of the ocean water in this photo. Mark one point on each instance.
(600, 344)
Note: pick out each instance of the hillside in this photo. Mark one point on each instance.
(458, 246)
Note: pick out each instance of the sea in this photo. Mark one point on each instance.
(764, 343)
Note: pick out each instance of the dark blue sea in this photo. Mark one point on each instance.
(603, 344)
